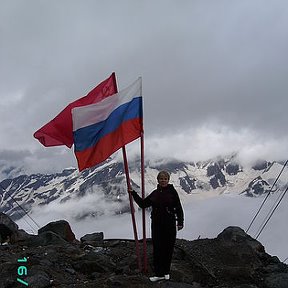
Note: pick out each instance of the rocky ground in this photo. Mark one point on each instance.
(54, 258)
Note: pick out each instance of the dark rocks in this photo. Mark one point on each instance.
(93, 239)
(61, 228)
(217, 177)
(12, 230)
(5, 233)
(261, 165)
(277, 280)
(6, 220)
(187, 184)
(235, 234)
(257, 187)
(95, 262)
(44, 239)
(39, 280)
(233, 168)
(232, 260)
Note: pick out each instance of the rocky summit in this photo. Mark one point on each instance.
(54, 258)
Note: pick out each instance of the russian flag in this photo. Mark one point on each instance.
(102, 128)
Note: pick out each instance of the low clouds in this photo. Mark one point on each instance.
(209, 141)
(39, 161)
(202, 218)
(94, 204)
(202, 62)
(191, 144)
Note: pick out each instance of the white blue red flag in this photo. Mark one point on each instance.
(102, 128)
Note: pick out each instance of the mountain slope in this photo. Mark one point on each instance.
(107, 184)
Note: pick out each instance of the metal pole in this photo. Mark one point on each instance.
(143, 209)
(131, 207)
(126, 169)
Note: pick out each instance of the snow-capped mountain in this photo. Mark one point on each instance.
(106, 184)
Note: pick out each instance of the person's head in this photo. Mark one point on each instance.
(163, 178)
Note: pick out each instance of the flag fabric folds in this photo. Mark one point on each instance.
(59, 130)
(102, 128)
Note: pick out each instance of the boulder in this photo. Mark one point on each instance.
(7, 221)
(44, 239)
(94, 239)
(231, 260)
(5, 233)
(61, 228)
(233, 234)
(9, 228)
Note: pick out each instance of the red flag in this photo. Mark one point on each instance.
(59, 131)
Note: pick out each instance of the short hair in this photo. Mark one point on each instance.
(163, 173)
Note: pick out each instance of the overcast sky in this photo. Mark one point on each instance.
(215, 73)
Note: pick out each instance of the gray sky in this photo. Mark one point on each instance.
(214, 73)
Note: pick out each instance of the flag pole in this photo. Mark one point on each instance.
(143, 193)
(126, 169)
(143, 209)
(131, 207)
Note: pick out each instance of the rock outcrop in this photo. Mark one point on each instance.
(232, 260)
(61, 228)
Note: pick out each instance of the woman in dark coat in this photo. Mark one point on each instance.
(166, 213)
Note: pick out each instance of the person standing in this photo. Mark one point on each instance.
(166, 217)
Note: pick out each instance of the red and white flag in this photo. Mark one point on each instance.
(59, 131)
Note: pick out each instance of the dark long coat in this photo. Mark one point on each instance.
(166, 213)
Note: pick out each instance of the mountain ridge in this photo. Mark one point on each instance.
(107, 180)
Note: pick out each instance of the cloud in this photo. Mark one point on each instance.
(211, 140)
(42, 160)
(93, 204)
(14, 155)
(204, 217)
(193, 144)
(201, 62)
